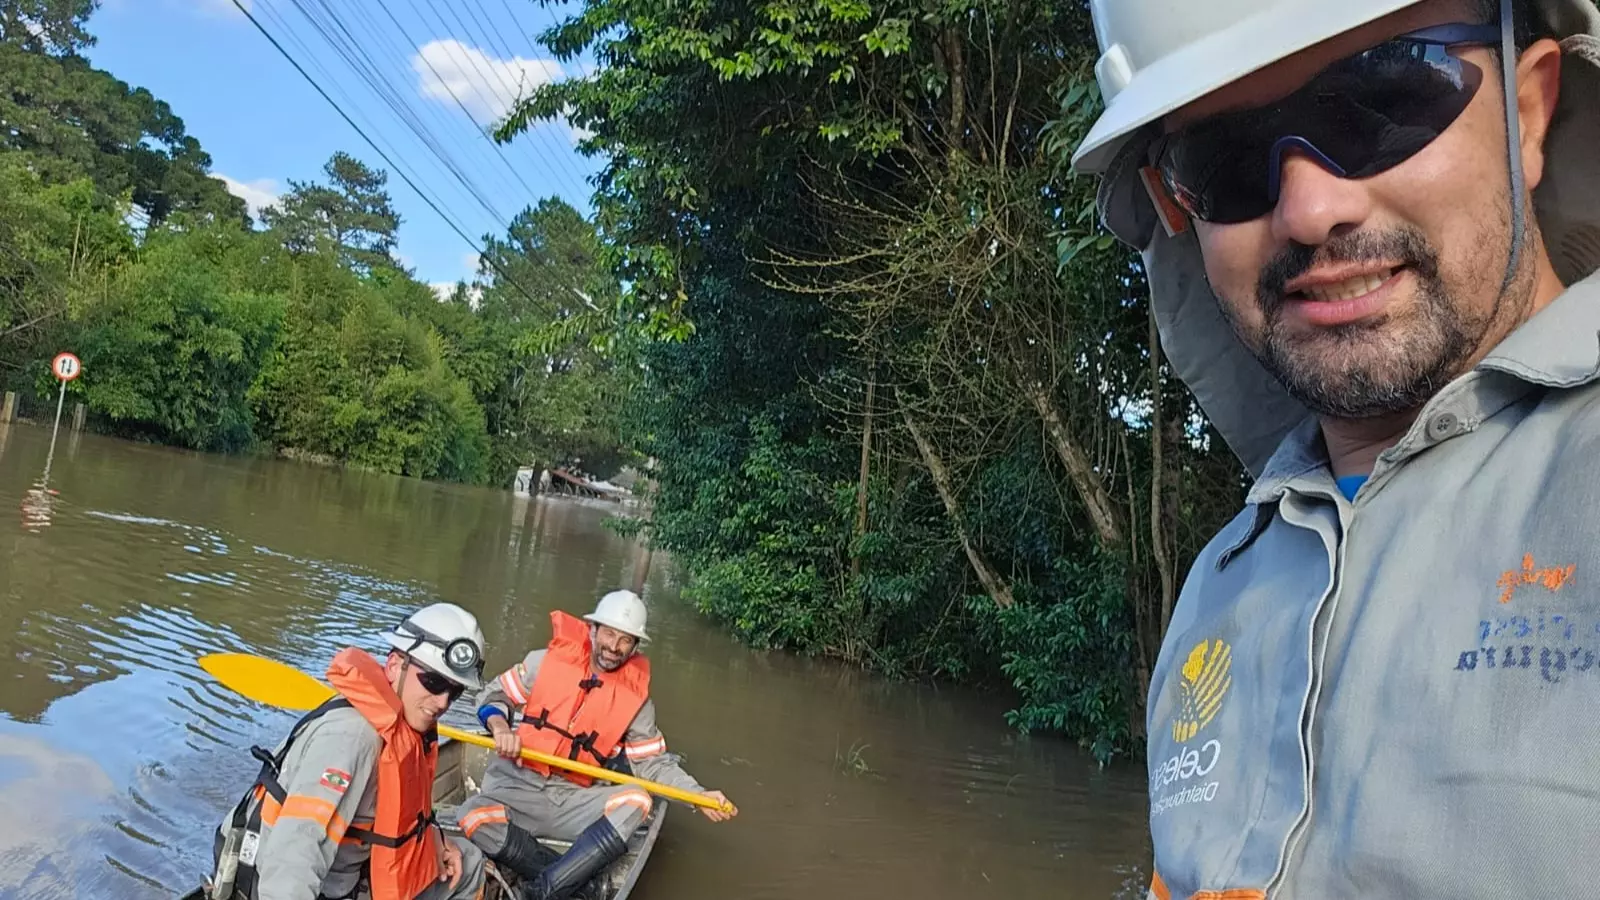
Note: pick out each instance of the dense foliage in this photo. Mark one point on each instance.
(916, 416)
(304, 335)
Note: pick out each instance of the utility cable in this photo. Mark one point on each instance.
(486, 259)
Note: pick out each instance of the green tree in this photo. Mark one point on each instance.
(70, 119)
(174, 342)
(351, 216)
(46, 26)
(52, 236)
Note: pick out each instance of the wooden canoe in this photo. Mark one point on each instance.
(460, 772)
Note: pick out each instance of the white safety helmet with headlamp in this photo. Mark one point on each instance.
(446, 639)
(622, 610)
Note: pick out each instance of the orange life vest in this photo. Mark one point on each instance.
(571, 708)
(405, 859)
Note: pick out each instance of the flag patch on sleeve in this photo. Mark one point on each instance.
(336, 780)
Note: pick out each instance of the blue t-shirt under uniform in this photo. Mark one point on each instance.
(1349, 484)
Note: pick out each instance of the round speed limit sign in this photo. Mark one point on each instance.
(66, 366)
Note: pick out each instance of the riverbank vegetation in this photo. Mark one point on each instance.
(300, 333)
(904, 395)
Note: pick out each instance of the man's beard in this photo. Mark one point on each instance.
(1367, 369)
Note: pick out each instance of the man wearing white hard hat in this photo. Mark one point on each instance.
(1377, 276)
(586, 696)
(343, 807)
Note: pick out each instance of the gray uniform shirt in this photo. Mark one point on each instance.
(643, 742)
(1395, 697)
(330, 777)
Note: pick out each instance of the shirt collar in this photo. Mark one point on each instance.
(1560, 345)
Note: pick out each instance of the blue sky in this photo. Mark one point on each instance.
(451, 67)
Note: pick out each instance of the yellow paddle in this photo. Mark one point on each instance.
(275, 684)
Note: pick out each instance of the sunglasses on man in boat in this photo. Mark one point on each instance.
(437, 684)
(1360, 116)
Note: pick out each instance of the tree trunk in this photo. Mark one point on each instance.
(866, 471)
(997, 589)
(1158, 520)
(958, 91)
(1091, 489)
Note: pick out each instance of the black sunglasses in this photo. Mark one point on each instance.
(1360, 116)
(437, 684)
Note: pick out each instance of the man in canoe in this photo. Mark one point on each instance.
(1371, 230)
(586, 697)
(343, 808)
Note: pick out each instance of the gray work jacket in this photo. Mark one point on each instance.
(1399, 696)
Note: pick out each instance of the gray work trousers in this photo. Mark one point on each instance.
(544, 807)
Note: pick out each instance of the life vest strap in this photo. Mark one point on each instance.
(368, 836)
(576, 742)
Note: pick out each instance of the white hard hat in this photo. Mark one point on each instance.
(622, 610)
(1157, 56)
(445, 638)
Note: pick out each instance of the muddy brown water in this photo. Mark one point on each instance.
(118, 754)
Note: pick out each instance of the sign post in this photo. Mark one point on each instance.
(65, 367)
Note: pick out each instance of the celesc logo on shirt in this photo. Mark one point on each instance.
(1203, 684)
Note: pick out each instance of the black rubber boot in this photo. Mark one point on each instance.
(523, 855)
(599, 846)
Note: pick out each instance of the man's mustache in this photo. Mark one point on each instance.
(1399, 246)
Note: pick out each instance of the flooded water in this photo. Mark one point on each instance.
(118, 754)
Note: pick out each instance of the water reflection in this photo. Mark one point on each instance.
(38, 505)
(123, 753)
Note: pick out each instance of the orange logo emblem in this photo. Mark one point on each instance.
(1552, 577)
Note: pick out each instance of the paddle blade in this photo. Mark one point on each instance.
(266, 681)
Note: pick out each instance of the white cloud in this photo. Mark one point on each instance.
(450, 71)
(472, 260)
(255, 194)
(444, 290)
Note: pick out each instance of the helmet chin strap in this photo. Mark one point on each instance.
(400, 682)
(1508, 70)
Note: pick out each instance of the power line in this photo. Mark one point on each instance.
(471, 61)
(339, 33)
(374, 28)
(555, 24)
(520, 27)
(488, 36)
(367, 70)
(482, 255)
(440, 155)
(420, 55)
